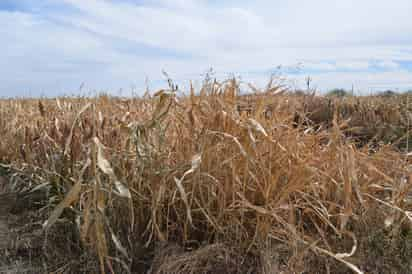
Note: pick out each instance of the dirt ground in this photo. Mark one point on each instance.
(20, 237)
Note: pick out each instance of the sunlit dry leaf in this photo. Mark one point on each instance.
(70, 198)
(353, 267)
(100, 117)
(59, 104)
(122, 190)
(196, 160)
(119, 245)
(257, 126)
(354, 247)
(389, 220)
(102, 162)
(184, 198)
(40, 186)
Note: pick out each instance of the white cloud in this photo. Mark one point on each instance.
(364, 82)
(198, 27)
(116, 43)
(388, 64)
(319, 66)
(353, 65)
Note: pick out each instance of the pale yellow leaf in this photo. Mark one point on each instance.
(184, 198)
(102, 162)
(122, 190)
(257, 126)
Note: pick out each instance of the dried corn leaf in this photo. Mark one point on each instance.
(69, 138)
(184, 198)
(122, 190)
(105, 166)
(257, 126)
(70, 198)
(119, 245)
(102, 162)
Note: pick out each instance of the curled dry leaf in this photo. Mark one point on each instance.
(59, 105)
(122, 190)
(184, 198)
(257, 126)
(102, 162)
(196, 160)
(354, 247)
(105, 166)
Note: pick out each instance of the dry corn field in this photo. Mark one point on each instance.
(209, 182)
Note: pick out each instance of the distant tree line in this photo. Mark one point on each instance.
(340, 92)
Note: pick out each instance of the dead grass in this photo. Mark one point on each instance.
(282, 183)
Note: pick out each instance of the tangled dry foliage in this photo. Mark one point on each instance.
(214, 182)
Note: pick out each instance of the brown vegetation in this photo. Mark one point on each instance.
(214, 182)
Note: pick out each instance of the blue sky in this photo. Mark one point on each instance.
(52, 47)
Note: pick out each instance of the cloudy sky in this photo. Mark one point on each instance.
(55, 47)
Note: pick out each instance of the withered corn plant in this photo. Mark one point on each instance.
(262, 182)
